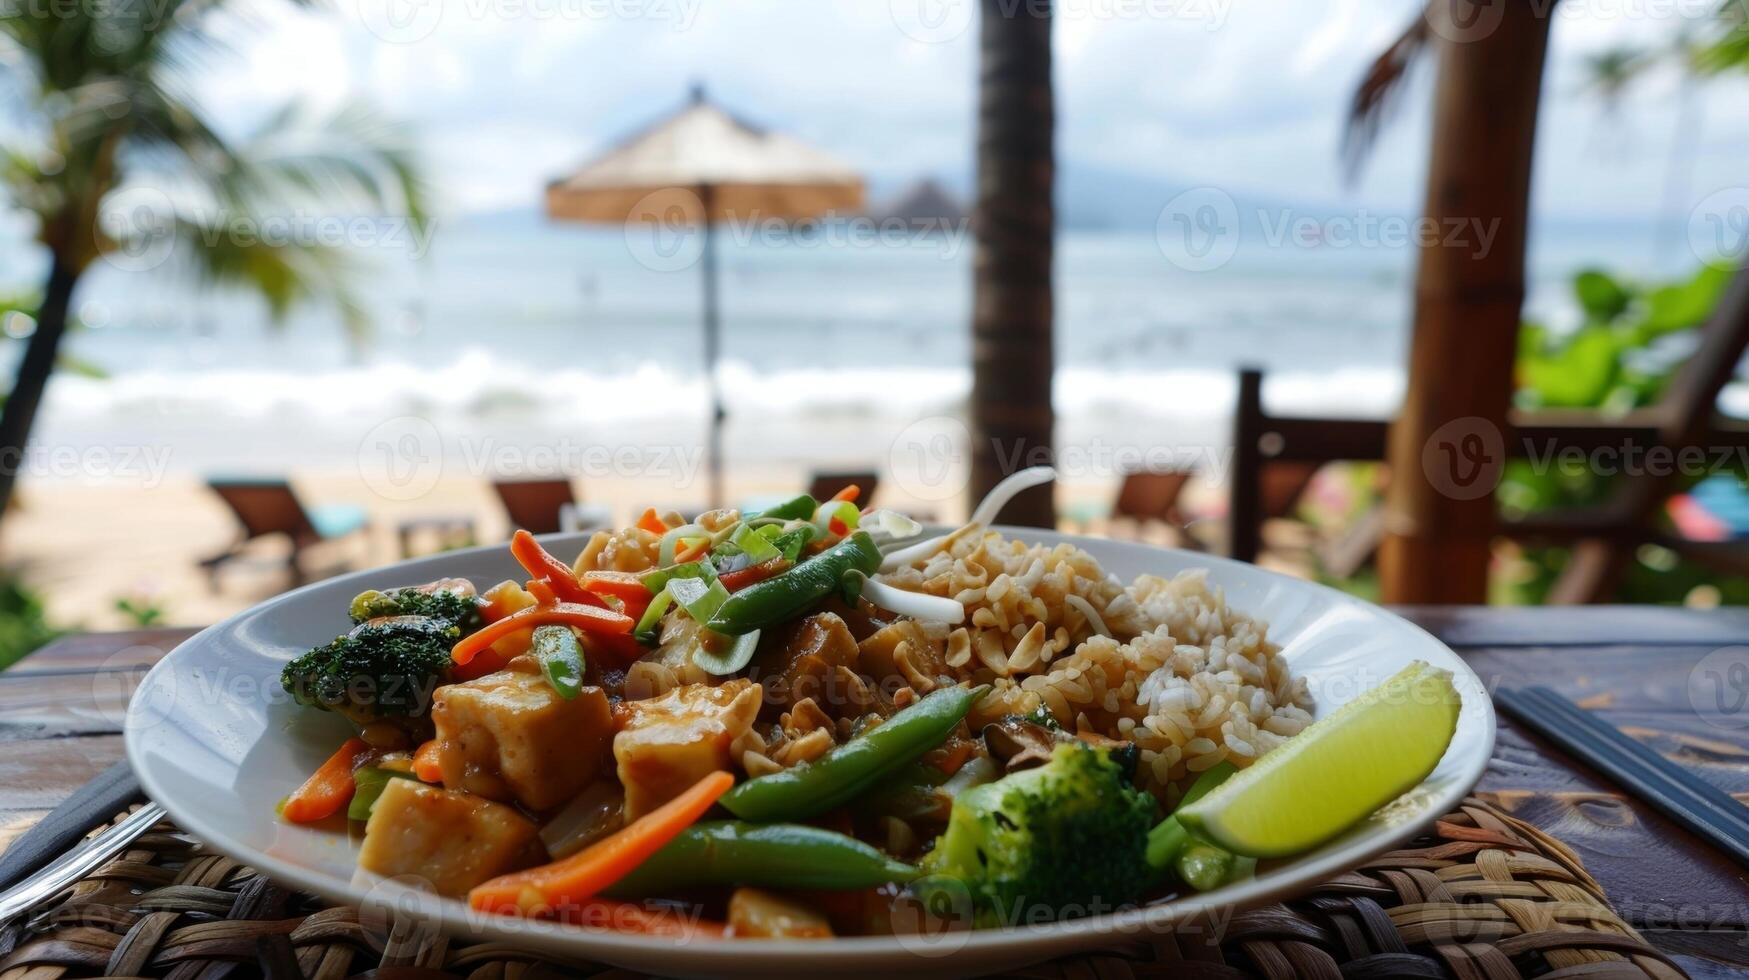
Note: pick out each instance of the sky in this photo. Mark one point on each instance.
(1246, 95)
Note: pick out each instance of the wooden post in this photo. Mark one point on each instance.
(1014, 220)
(1469, 287)
(1245, 480)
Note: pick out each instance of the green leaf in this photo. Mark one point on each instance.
(1600, 296)
(1685, 305)
(1577, 375)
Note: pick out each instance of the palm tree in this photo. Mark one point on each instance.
(1014, 218)
(1467, 300)
(121, 161)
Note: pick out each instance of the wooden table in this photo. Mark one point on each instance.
(61, 712)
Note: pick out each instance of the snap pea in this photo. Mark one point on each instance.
(795, 509)
(772, 855)
(561, 658)
(369, 783)
(1169, 839)
(786, 596)
(845, 772)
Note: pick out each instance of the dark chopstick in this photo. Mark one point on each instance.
(1679, 794)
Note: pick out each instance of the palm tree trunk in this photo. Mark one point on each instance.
(33, 374)
(1446, 445)
(1011, 280)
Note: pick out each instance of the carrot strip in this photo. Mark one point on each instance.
(665, 921)
(693, 552)
(543, 593)
(627, 585)
(651, 523)
(542, 565)
(592, 618)
(849, 493)
(580, 877)
(425, 762)
(329, 788)
(495, 657)
(743, 577)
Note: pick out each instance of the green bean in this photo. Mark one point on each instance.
(845, 772)
(784, 597)
(561, 658)
(775, 855)
(794, 509)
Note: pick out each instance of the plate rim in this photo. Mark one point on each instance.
(1021, 943)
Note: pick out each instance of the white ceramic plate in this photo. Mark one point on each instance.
(214, 740)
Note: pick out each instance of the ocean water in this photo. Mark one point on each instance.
(509, 331)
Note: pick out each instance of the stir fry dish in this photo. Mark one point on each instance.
(813, 721)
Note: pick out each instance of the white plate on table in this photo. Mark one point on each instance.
(214, 739)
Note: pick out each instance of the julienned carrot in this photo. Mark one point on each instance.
(542, 565)
(661, 920)
(651, 523)
(743, 577)
(559, 887)
(592, 618)
(693, 552)
(425, 762)
(627, 585)
(329, 788)
(542, 592)
(849, 493)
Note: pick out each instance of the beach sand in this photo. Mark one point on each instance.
(85, 546)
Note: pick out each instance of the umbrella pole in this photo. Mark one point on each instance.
(712, 344)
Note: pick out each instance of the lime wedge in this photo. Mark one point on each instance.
(1336, 772)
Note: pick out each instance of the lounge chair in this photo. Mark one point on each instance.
(825, 484)
(534, 505)
(269, 507)
(1145, 496)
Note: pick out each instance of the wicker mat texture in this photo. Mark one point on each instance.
(1482, 896)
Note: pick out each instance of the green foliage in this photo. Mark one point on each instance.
(1067, 837)
(22, 626)
(1621, 357)
(141, 611)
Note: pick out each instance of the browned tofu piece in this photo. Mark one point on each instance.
(758, 914)
(453, 840)
(509, 736)
(667, 743)
(799, 660)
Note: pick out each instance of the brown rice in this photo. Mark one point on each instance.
(1188, 679)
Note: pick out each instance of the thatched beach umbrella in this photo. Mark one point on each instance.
(697, 168)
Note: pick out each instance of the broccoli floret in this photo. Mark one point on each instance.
(379, 671)
(1066, 838)
(461, 611)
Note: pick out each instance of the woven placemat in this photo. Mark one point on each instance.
(1483, 896)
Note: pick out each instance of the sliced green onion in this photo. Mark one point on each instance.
(718, 654)
(561, 658)
(843, 510)
(654, 581)
(645, 631)
(700, 599)
(757, 547)
(671, 541)
(792, 542)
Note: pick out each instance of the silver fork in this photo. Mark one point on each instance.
(77, 863)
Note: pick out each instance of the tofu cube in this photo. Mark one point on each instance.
(667, 743)
(453, 840)
(509, 736)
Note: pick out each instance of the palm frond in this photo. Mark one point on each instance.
(1377, 94)
(1610, 73)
